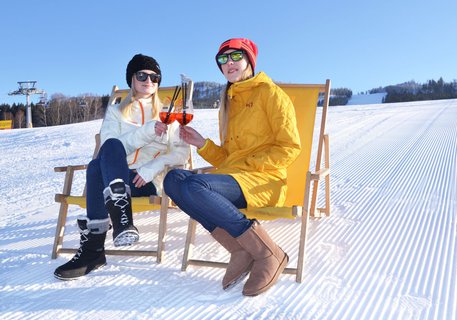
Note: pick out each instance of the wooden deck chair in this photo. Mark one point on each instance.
(301, 200)
(139, 204)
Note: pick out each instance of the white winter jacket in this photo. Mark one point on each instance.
(144, 151)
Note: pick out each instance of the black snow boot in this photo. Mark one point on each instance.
(118, 203)
(91, 253)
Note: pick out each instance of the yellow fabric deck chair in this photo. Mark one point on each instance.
(139, 204)
(301, 201)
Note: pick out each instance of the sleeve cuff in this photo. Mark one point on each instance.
(204, 146)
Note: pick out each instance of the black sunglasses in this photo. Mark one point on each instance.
(143, 76)
(235, 56)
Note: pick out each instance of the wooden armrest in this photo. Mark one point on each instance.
(155, 199)
(320, 174)
(203, 169)
(58, 197)
(66, 168)
(176, 166)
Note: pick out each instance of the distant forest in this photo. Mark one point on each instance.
(412, 91)
(61, 109)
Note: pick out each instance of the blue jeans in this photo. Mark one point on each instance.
(211, 199)
(110, 164)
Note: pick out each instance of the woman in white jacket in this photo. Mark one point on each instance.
(130, 163)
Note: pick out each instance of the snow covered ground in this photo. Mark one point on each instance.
(388, 251)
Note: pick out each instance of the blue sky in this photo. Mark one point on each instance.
(77, 47)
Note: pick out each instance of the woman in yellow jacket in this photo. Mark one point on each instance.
(259, 141)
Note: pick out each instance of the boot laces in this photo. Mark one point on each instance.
(121, 201)
(83, 240)
(124, 218)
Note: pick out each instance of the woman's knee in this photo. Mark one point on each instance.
(195, 183)
(113, 146)
(112, 142)
(171, 180)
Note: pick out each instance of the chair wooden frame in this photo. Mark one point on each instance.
(299, 212)
(139, 204)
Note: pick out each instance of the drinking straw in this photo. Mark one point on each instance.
(173, 99)
(184, 92)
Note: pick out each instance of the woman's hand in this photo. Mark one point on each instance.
(160, 128)
(191, 136)
(138, 181)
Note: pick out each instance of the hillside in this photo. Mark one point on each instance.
(388, 250)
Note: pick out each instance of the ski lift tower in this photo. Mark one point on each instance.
(27, 88)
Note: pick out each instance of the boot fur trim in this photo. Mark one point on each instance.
(98, 226)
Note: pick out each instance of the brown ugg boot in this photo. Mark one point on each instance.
(240, 260)
(269, 259)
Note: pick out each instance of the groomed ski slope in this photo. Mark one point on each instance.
(388, 251)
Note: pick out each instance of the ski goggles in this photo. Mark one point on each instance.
(143, 76)
(235, 56)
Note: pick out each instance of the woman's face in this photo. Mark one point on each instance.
(144, 88)
(233, 70)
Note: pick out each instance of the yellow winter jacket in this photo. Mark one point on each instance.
(261, 141)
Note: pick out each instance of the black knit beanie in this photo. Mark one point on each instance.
(141, 62)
